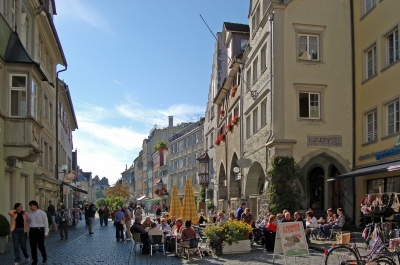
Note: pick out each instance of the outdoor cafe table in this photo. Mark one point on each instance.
(176, 236)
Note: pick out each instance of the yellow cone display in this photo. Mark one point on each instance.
(189, 211)
(175, 206)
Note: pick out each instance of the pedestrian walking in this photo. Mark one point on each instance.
(39, 230)
(128, 222)
(19, 230)
(52, 211)
(118, 221)
(106, 215)
(63, 220)
(101, 215)
(86, 215)
(90, 213)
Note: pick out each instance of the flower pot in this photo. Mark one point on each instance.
(242, 246)
(3, 244)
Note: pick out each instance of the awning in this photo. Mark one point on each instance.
(73, 187)
(376, 169)
(141, 198)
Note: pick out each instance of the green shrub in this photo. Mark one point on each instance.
(210, 205)
(4, 226)
(100, 202)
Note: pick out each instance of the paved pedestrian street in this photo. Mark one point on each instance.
(102, 248)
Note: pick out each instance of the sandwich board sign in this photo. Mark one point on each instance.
(291, 241)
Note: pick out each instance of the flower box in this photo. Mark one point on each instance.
(233, 91)
(242, 246)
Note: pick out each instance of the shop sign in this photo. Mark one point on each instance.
(317, 140)
(395, 150)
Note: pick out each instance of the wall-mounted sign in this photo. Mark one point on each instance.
(395, 150)
(327, 140)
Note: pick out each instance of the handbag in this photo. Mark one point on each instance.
(122, 221)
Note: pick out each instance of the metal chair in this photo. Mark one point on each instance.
(157, 242)
(138, 241)
(334, 232)
(193, 245)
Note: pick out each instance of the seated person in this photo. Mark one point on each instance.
(221, 218)
(187, 233)
(202, 219)
(338, 223)
(171, 222)
(311, 224)
(147, 222)
(164, 226)
(330, 217)
(298, 218)
(287, 217)
(177, 229)
(155, 232)
(247, 217)
(137, 227)
(279, 218)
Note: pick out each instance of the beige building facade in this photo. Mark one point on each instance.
(298, 98)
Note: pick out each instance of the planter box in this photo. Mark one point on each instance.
(243, 246)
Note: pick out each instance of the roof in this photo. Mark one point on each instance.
(236, 27)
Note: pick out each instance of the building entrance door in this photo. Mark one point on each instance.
(317, 188)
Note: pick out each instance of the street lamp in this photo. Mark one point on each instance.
(160, 186)
(203, 169)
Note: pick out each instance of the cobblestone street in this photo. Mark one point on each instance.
(102, 248)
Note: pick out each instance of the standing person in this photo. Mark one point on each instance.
(39, 230)
(101, 215)
(119, 229)
(139, 212)
(158, 213)
(86, 215)
(106, 215)
(19, 229)
(128, 222)
(63, 220)
(240, 210)
(91, 212)
(52, 211)
(113, 215)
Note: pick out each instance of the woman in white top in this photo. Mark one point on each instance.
(311, 223)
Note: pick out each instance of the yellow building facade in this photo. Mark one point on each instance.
(377, 93)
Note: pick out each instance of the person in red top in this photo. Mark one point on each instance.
(270, 234)
(271, 226)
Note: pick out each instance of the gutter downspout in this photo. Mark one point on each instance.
(354, 105)
(57, 118)
(271, 20)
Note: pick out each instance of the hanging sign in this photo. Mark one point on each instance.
(290, 240)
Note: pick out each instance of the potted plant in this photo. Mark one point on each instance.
(233, 91)
(235, 119)
(217, 142)
(221, 137)
(221, 112)
(229, 127)
(4, 232)
(230, 237)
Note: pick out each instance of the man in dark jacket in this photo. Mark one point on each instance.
(137, 227)
(90, 213)
(106, 215)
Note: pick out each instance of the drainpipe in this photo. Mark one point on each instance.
(57, 118)
(354, 105)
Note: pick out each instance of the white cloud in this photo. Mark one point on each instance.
(82, 11)
(105, 149)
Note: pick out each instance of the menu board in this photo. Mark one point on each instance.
(290, 240)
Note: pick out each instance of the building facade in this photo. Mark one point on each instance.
(30, 51)
(298, 98)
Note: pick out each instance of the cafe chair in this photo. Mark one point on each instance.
(193, 246)
(157, 243)
(138, 241)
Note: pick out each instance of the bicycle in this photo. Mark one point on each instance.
(349, 254)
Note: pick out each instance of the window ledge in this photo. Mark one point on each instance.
(390, 65)
(368, 12)
(304, 61)
(369, 78)
(390, 135)
(370, 142)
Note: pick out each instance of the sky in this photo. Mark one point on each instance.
(133, 63)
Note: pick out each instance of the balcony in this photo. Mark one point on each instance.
(22, 139)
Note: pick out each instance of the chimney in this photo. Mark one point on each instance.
(170, 121)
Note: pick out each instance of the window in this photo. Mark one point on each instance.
(309, 105)
(212, 112)
(255, 120)
(393, 118)
(264, 113)
(308, 47)
(34, 100)
(371, 126)
(393, 47)
(243, 44)
(51, 114)
(12, 11)
(24, 21)
(371, 62)
(248, 78)
(264, 58)
(248, 120)
(369, 4)
(50, 159)
(18, 95)
(211, 139)
(255, 70)
(46, 108)
(4, 8)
